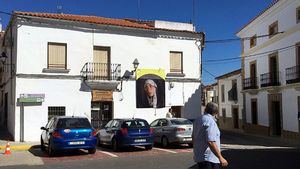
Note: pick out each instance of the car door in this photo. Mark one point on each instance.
(156, 130)
(103, 135)
(45, 133)
(165, 128)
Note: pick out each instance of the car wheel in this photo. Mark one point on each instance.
(42, 145)
(148, 147)
(165, 141)
(114, 144)
(51, 152)
(92, 150)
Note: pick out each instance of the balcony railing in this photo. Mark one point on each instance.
(270, 79)
(293, 74)
(250, 83)
(101, 71)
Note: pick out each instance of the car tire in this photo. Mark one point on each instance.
(51, 151)
(148, 147)
(92, 150)
(43, 148)
(164, 142)
(114, 145)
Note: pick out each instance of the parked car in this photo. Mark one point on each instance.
(63, 133)
(168, 131)
(126, 132)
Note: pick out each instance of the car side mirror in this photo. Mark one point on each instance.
(44, 128)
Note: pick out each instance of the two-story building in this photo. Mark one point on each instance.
(270, 70)
(230, 100)
(64, 64)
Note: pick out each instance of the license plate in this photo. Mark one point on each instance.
(76, 143)
(139, 140)
(187, 139)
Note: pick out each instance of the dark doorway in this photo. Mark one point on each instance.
(176, 111)
(276, 118)
(5, 110)
(235, 116)
(274, 69)
(253, 74)
(101, 113)
(254, 111)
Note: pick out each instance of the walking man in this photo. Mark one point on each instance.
(206, 140)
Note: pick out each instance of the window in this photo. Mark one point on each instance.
(56, 111)
(223, 93)
(273, 29)
(232, 93)
(224, 115)
(253, 41)
(298, 53)
(176, 62)
(57, 56)
(254, 111)
(298, 14)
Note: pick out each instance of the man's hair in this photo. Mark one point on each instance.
(211, 108)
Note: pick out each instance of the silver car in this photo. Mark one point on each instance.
(168, 131)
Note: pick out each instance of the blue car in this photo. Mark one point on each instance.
(64, 133)
(126, 132)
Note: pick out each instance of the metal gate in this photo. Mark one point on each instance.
(101, 113)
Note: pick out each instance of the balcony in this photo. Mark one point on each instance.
(293, 74)
(101, 76)
(270, 79)
(250, 83)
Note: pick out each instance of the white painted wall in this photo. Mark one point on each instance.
(290, 110)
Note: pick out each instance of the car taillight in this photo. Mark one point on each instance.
(151, 130)
(94, 133)
(180, 129)
(124, 131)
(56, 134)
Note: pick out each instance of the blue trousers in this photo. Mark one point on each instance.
(208, 165)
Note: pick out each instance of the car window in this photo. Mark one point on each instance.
(49, 123)
(73, 123)
(108, 124)
(163, 122)
(181, 122)
(154, 124)
(114, 124)
(135, 124)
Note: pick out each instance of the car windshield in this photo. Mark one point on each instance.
(73, 123)
(181, 122)
(135, 124)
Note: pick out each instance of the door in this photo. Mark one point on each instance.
(273, 69)
(253, 74)
(235, 115)
(101, 61)
(276, 118)
(103, 132)
(5, 110)
(156, 130)
(101, 113)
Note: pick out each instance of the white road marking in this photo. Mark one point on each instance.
(170, 151)
(108, 153)
(250, 147)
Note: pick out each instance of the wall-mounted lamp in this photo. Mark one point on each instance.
(135, 65)
(3, 57)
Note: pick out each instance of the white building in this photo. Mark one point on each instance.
(210, 94)
(270, 70)
(230, 100)
(61, 64)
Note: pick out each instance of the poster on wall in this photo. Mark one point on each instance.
(150, 88)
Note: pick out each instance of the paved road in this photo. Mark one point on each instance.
(242, 152)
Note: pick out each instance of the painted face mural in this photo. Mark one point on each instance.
(150, 90)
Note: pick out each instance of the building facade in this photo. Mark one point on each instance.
(270, 70)
(230, 100)
(61, 64)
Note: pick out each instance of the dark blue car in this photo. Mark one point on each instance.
(63, 133)
(126, 132)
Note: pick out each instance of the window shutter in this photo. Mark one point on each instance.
(176, 62)
(57, 55)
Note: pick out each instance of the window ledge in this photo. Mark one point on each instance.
(176, 74)
(46, 70)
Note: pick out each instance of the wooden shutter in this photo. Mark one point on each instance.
(101, 62)
(57, 55)
(176, 62)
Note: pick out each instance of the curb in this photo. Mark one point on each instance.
(17, 147)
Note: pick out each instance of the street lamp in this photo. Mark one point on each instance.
(135, 65)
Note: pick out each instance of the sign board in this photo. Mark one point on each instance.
(31, 98)
(99, 95)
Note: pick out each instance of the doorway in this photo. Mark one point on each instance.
(276, 118)
(235, 116)
(101, 113)
(5, 110)
(176, 111)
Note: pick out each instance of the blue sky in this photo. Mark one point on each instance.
(219, 19)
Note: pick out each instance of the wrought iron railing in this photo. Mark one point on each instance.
(250, 83)
(270, 79)
(293, 74)
(101, 71)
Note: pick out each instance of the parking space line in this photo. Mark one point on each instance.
(169, 151)
(108, 153)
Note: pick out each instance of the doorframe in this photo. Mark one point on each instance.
(271, 98)
(238, 120)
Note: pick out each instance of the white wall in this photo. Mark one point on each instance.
(290, 110)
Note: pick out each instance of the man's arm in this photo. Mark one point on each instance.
(214, 148)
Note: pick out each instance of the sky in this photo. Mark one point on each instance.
(218, 19)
